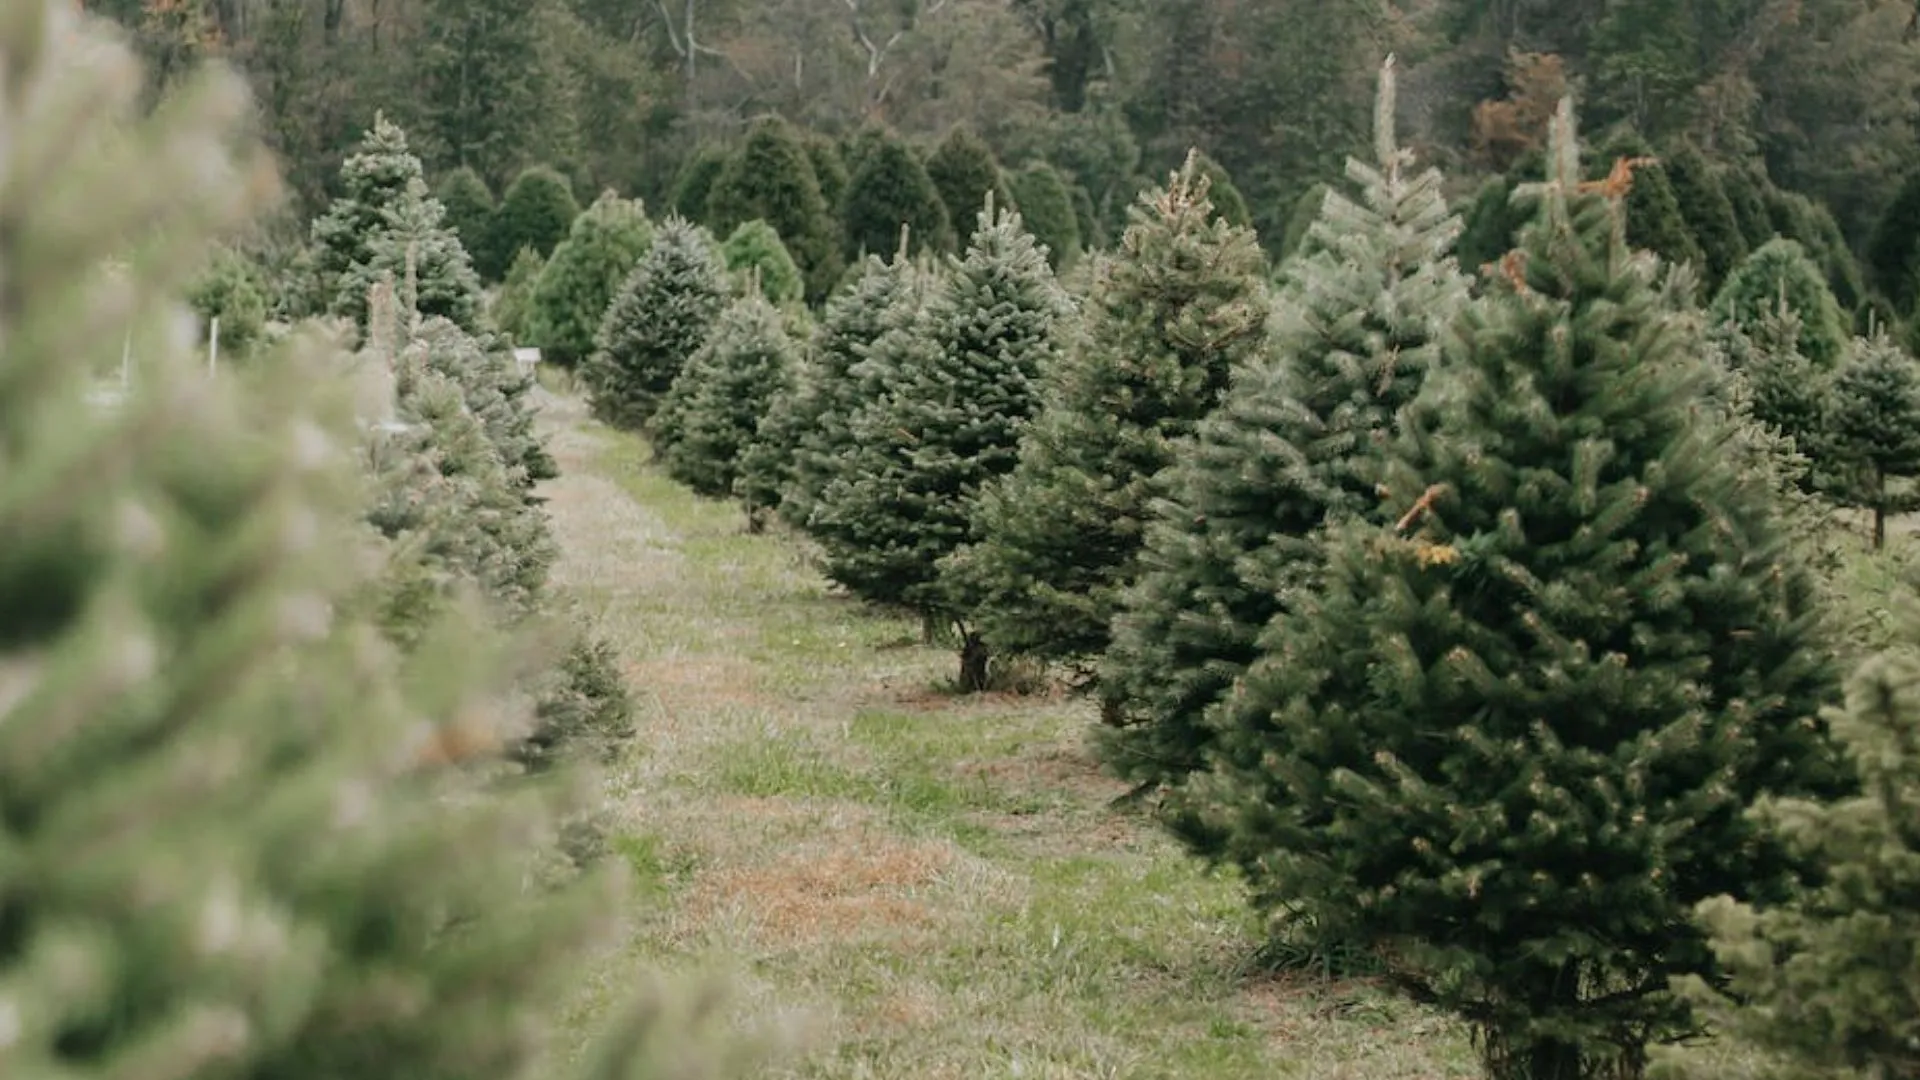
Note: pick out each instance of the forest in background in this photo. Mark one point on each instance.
(1821, 96)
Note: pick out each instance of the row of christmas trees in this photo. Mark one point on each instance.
(258, 664)
(1476, 625)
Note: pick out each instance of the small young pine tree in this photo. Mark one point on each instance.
(1511, 733)
(1180, 305)
(414, 242)
(754, 253)
(1786, 391)
(537, 211)
(770, 178)
(711, 413)
(373, 180)
(513, 302)
(963, 170)
(660, 317)
(766, 467)
(1357, 328)
(1047, 207)
(570, 299)
(956, 388)
(1825, 983)
(229, 289)
(890, 189)
(1872, 446)
(1778, 274)
(469, 206)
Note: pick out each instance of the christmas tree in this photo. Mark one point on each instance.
(956, 387)
(1047, 207)
(963, 170)
(513, 301)
(1872, 445)
(1708, 213)
(1356, 330)
(536, 213)
(1172, 312)
(1785, 391)
(470, 208)
(570, 300)
(755, 251)
(236, 844)
(1779, 274)
(373, 179)
(709, 416)
(771, 179)
(414, 241)
(660, 317)
(890, 189)
(1509, 737)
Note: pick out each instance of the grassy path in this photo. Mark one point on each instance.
(933, 886)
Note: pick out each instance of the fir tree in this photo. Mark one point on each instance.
(661, 316)
(1786, 391)
(1356, 329)
(1873, 431)
(229, 289)
(414, 242)
(1226, 197)
(1826, 982)
(1172, 312)
(1048, 209)
(1780, 274)
(537, 211)
(1708, 213)
(1654, 218)
(765, 471)
(829, 169)
(770, 178)
(583, 709)
(1743, 185)
(1893, 253)
(963, 170)
(890, 189)
(570, 300)
(1513, 730)
(754, 253)
(694, 184)
(956, 386)
(513, 301)
(373, 180)
(469, 207)
(495, 390)
(1306, 210)
(231, 846)
(710, 415)
(886, 296)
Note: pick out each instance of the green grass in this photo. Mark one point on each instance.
(935, 886)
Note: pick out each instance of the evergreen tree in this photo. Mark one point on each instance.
(836, 384)
(229, 289)
(1742, 185)
(770, 179)
(1893, 253)
(373, 180)
(537, 212)
(661, 316)
(1654, 218)
(414, 242)
(1172, 312)
(829, 170)
(1836, 258)
(1047, 207)
(1513, 730)
(1826, 982)
(890, 189)
(694, 184)
(469, 209)
(1709, 215)
(1490, 223)
(583, 709)
(513, 301)
(1779, 273)
(1786, 391)
(754, 253)
(1306, 211)
(569, 301)
(1873, 431)
(495, 390)
(233, 846)
(955, 385)
(709, 416)
(766, 467)
(1226, 198)
(1356, 329)
(963, 170)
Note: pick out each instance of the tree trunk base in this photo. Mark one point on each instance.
(974, 660)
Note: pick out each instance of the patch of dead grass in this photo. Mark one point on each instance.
(864, 887)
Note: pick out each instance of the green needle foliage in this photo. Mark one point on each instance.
(1172, 312)
(570, 300)
(1356, 330)
(963, 170)
(1510, 736)
(232, 846)
(890, 189)
(470, 209)
(660, 317)
(1047, 206)
(415, 244)
(710, 415)
(754, 253)
(1872, 446)
(536, 212)
(1780, 273)
(373, 179)
(771, 179)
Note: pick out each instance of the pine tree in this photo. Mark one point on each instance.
(710, 415)
(1893, 253)
(570, 300)
(513, 301)
(956, 386)
(583, 709)
(693, 186)
(495, 390)
(963, 170)
(660, 317)
(765, 471)
(1654, 219)
(230, 848)
(1873, 431)
(829, 169)
(1306, 211)
(1780, 274)
(890, 189)
(415, 242)
(373, 180)
(1709, 214)
(1826, 982)
(537, 211)
(754, 253)
(770, 178)
(1226, 197)
(469, 207)
(229, 289)
(1178, 306)
(1512, 731)
(1742, 185)
(1048, 209)
(886, 296)
(1786, 391)
(1356, 329)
